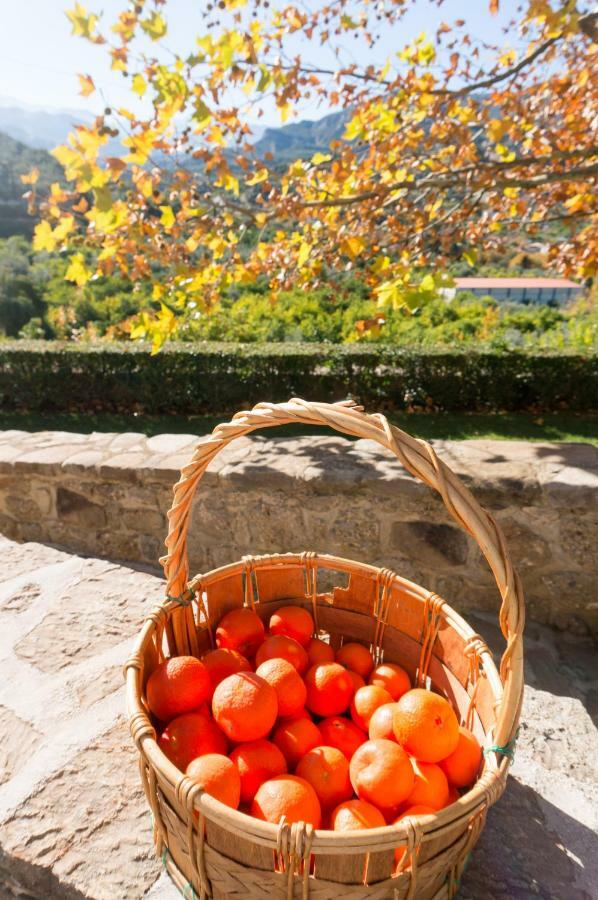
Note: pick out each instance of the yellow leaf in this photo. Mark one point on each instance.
(31, 176)
(352, 246)
(139, 85)
(43, 237)
(497, 128)
(154, 26)
(83, 23)
(508, 58)
(77, 270)
(158, 291)
(303, 255)
(86, 85)
(167, 218)
(261, 219)
(258, 177)
(319, 158)
(470, 257)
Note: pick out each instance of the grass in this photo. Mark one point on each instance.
(551, 427)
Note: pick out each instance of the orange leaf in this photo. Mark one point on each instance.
(86, 84)
(493, 7)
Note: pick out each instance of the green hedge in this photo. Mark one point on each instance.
(221, 378)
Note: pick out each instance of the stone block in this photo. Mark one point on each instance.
(432, 544)
(74, 506)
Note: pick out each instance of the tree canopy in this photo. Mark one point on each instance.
(449, 146)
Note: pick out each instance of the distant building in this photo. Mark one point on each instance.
(550, 291)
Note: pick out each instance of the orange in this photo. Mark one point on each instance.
(296, 737)
(245, 706)
(463, 764)
(329, 689)
(256, 762)
(293, 621)
(393, 678)
(381, 773)
(218, 776)
(242, 630)
(177, 686)
(327, 770)
(279, 646)
(356, 657)
(419, 810)
(356, 815)
(365, 702)
(222, 663)
(425, 725)
(288, 796)
(288, 684)
(381, 722)
(430, 787)
(342, 733)
(319, 651)
(190, 736)
(358, 681)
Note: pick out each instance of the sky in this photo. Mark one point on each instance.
(40, 59)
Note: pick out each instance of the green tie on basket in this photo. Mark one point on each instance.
(507, 750)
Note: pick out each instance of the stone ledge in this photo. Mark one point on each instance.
(108, 494)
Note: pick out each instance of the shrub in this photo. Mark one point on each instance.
(221, 378)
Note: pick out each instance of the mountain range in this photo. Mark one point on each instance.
(26, 135)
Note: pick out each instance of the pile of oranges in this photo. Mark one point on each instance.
(276, 724)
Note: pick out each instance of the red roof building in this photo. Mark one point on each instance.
(519, 290)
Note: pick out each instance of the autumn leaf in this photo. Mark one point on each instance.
(154, 26)
(77, 270)
(139, 86)
(494, 4)
(167, 218)
(30, 177)
(86, 85)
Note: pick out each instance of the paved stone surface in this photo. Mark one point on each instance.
(73, 821)
(107, 495)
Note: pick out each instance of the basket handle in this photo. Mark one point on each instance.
(418, 457)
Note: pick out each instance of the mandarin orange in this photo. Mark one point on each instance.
(329, 689)
(288, 684)
(356, 657)
(294, 622)
(223, 662)
(189, 736)
(463, 764)
(365, 702)
(430, 787)
(425, 724)
(391, 677)
(245, 706)
(241, 630)
(327, 770)
(279, 646)
(381, 722)
(288, 796)
(177, 686)
(337, 731)
(318, 651)
(218, 777)
(256, 762)
(381, 773)
(356, 815)
(296, 737)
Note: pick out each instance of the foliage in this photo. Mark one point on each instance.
(16, 160)
(464, 321)
(449, 147)
(218, 378)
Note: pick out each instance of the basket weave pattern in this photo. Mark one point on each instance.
(211, 850)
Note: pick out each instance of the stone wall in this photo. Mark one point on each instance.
(107, 495)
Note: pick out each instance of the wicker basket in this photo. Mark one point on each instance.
(213, 851)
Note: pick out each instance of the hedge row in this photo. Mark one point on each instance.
(43, 376)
